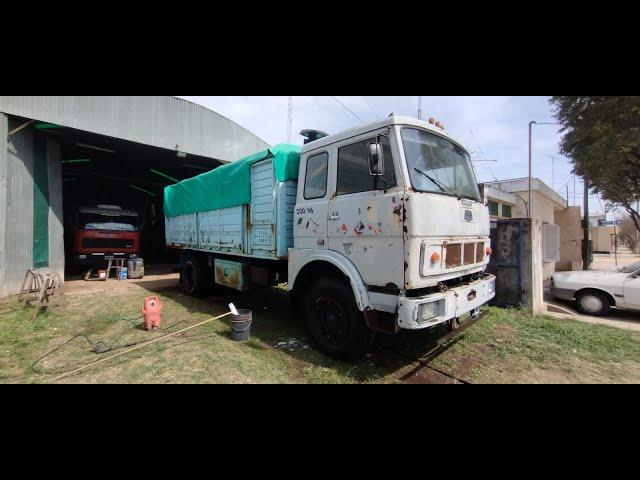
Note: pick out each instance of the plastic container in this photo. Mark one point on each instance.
(135, 268)
(123, 274)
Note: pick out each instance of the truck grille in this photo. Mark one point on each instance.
(107, 243)
(469, 253)
(454, 255)
(480, 252)
(458, 254)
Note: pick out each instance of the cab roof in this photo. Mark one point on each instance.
(370, 127)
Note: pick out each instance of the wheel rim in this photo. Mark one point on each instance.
(189, 277)
(591, 303)
(331, 320)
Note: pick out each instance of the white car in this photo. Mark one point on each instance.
(595, 292)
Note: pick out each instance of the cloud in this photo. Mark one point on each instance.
(492, 127)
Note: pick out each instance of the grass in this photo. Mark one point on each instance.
(514, 346)
(508, 346)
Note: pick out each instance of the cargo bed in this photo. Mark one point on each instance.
(261, 229)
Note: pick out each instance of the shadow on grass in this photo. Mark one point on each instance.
(276, 326)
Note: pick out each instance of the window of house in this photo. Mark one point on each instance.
(493, 208)
(506, 211)
(315, 183)
(353, 168)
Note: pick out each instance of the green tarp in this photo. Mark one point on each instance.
(229, 185)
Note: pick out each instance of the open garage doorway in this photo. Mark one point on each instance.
(112, 193)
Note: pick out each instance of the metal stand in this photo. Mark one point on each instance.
(43, 285)
(116, 264)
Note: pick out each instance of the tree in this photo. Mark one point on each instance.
(627, 233)
(602, 139)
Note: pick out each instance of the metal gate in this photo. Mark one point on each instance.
(507, 243)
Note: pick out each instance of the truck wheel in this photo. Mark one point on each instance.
(335, 325)
(195, 281)
(592, 302)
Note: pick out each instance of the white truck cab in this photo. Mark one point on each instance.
(389, 216)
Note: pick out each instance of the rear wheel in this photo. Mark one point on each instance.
(195, 277)
(334, 323)
(593, 302)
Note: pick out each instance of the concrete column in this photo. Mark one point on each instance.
(537, 271)
(531, 268)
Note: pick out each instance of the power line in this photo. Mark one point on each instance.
(289, 119)
(348, 110)
(483, 155)
(370, 107)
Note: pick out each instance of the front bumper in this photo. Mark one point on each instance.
(100, 259)
(429, 310)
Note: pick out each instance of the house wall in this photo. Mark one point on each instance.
(543, 212)
(601, 237)
(571, 234)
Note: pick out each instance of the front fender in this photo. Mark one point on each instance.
(299, 258)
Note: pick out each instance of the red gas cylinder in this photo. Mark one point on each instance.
(152, 310)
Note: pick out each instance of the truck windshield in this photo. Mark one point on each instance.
(438, 165)
(115, 222)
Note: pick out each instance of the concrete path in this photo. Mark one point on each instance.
(627, 319)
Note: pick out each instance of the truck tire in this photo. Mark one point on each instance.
(335, 325)
(593, 302)
(195, 277)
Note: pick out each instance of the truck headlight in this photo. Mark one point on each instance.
(428, 311)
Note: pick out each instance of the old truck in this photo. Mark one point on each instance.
(104, 231)
(378, 228)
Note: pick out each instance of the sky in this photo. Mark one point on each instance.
(490, 127)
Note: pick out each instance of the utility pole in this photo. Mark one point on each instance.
(553, 171)
(637, 236)
(531, 124)
(585, 226)
(289, 119)
(419, 108)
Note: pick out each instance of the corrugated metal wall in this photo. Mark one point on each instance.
(16, 216)
(161, 121)
(3, 198)
(19, 209)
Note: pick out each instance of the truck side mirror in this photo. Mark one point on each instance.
(376, 159)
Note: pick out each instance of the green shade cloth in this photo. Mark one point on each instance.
(229, 185)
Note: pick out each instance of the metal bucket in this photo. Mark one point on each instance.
(241, 325)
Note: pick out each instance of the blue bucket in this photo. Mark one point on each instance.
(123, 274)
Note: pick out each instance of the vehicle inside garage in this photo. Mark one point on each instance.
(100, 161)
(116, 186)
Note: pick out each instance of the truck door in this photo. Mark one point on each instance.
(365, 212)
(310, 214)
(632, 291)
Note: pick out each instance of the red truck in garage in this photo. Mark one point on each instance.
(105, 231)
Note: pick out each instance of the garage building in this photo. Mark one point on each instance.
(58, 153)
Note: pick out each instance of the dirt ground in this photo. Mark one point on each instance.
(507, 346)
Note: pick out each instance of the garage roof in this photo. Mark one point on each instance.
(160, 121)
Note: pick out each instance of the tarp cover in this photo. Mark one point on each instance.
(229, 185)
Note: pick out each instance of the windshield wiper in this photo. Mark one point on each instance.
(437, 183)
